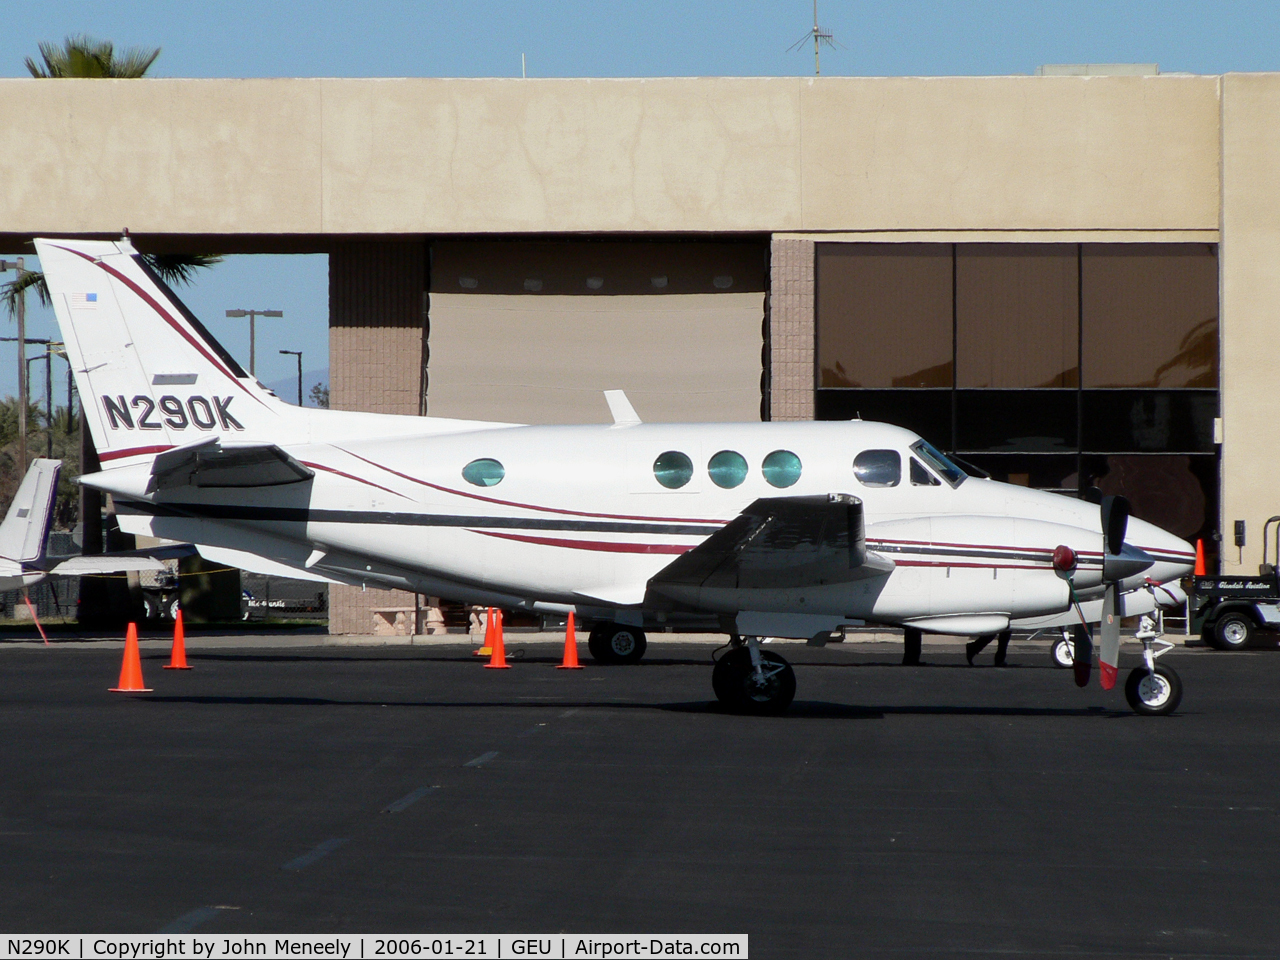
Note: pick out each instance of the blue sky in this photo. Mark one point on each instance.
(623, 38)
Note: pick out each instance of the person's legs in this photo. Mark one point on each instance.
(1002, 646)
(975, 646)
(911, 647)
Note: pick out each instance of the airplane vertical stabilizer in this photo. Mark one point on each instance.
(26, 525)
(150, 375)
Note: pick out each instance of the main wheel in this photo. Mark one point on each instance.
(1153, 694)
(614, 643)
(735, 684)
(1063, 653)
(1233, 631)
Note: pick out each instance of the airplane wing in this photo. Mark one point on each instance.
(26, 525)
(212, 463)
(780, 543)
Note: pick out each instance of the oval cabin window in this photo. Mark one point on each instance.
(727, 469)
(673, 469)
(781, 468)
(484, 472)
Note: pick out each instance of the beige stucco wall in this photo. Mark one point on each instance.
(1250, 304)
(414, 156)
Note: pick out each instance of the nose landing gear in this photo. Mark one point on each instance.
(1153, 689)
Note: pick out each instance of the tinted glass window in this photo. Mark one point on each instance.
(1150, 315)
(935, 458)
(878, 468)
(727, 469)
(484, 473)
(673, 469)
(781, 468)
(1017, 315)
(920, 477)
(884, 314)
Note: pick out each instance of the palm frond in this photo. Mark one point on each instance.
(179, 267)
(30, 279)
(84, 57)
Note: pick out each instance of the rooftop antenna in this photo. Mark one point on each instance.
(819, 37)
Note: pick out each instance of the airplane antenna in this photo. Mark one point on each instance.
(819, 36)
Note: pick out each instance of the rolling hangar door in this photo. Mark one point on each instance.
(533, 331)
(1057, 365)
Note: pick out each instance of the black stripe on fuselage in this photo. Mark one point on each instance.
(222, 511)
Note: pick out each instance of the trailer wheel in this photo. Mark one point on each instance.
(1233, 631)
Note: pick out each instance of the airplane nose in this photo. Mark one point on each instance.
(1174, 556)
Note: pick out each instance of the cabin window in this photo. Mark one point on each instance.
(781, 468)
(484, 472)
(920, 477)
(878, 468)
(727, 469)
(673, 469)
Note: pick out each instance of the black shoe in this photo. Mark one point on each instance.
(1000, 662)
(971, 651)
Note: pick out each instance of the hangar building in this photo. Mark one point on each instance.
(1066, 280)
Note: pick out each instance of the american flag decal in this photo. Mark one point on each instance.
(84, 301)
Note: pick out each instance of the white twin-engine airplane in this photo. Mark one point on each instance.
(753, 529)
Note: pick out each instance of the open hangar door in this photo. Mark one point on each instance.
(533, 331)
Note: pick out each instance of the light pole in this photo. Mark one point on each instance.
(298, 354)
(53, 348)
(252, 315)
(17, 265)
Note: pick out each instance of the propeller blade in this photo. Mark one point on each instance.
(1083, 664)
(1115, 521)
(1109, 645)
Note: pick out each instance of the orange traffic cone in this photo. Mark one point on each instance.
(499, 659)
(131, 669)
(1200, 567)
(486, 649)
(178, 655)
(570, 661)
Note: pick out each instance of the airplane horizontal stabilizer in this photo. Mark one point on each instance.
(781, 543)
(148, 558)
(212, 463)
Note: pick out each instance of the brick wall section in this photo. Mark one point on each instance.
(791, 334)
(375, 365)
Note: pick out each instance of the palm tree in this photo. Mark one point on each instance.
(86, 58)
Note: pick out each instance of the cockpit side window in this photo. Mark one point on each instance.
(920, 477)
(878, 468)
(938, 462)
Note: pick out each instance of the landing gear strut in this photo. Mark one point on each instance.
(1153, 690)
(750, 680)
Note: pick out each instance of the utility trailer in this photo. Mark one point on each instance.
(1236, 608)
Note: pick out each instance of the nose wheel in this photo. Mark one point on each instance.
(750, 680)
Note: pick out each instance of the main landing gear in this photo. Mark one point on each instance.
(615, 643)
(750, 680)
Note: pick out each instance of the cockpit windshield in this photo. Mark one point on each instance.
(938, 461)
